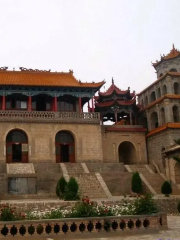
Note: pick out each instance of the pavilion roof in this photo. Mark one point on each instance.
(113, 88)
(116, 102)
(173, 54)
(43, 78)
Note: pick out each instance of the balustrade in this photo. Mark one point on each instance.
(87, 225)
(40, 116)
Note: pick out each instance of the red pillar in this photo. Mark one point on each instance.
(80, 105)
(55, 104)
(30, 103)
(92, 104)
(3, 102)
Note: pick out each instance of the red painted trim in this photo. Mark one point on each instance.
(30, 103)
(114, 129)
(80, 105)
(3, 102)
(55, 104)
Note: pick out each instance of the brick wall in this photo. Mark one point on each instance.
(41, 137)
(112, 140)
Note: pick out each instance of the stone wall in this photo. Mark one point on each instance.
(41, 137)
(112, 139)
(157, 142)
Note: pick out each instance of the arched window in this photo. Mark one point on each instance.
(154, 120)
(127, 153)
(164, 90)
(142, 103)
(159, 93)
(163, 121)
(65, 151)
(175, 114)
(153, 96)
(16, 146)
(146, 101)
(176, 88)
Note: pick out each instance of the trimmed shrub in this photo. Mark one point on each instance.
(71, 190)
(60, 187)
(166, 188)
(136, 183)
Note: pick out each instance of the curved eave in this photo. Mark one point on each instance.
(167, 96)
(112, 103)
(173, 74)
(162, 128)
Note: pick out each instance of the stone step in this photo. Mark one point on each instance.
(74, 168)
(89, 185)
(105, 167)
(47, 167)
(2, 167)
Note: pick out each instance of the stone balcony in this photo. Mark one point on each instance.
(49, 117)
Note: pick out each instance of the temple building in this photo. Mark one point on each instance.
(117, 105)
(45, 133)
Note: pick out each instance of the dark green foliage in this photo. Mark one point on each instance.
(145, 205)
(60, 187)
(178, 207)
(136, 183)
(166, 188)
(177, 141)
(71, 190)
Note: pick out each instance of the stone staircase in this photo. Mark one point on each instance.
(74, 168)
(105, 167)
(89, 185)
(155, 180)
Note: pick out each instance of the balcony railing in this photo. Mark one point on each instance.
(49, 117)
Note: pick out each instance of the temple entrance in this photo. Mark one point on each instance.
(127, 153)
(16, 147)
(64, 147)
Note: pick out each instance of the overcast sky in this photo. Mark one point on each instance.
(98, 39)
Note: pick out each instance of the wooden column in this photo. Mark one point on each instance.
(3, 102)
(92, 104)
(115, 117)
(29, 103)
(55, 104)
(80, 105)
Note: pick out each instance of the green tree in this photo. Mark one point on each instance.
(166, 188)
(71, 190)
(60, 187)
(136, 183)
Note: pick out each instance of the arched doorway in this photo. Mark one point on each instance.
(16, 147)
(162, 116)
(154, 120)
(175, 113)
(153, 96)
(127, 153)
(65, 150)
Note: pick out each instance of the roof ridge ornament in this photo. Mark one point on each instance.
(112, 80)
(3, 68)
(32, 70)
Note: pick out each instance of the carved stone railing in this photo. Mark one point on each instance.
(53, 117)
(75, 226)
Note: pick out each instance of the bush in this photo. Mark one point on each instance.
(145, 205)
(71, 190)
(60, 187)
(178, 207)
(136, 183)
(166, 188)
(8, 213)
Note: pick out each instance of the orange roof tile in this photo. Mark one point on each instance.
(168, 96)
(159, 79)
(49, 79)
(164, 127)
(173, 54)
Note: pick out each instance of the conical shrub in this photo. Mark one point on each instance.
(166, 188)
(136, 185)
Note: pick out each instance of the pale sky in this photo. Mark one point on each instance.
(98, 39)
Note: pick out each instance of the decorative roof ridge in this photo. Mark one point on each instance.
(172, 54)
(171, 96)
(163, 127)
(160, 78)
(34, 71)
